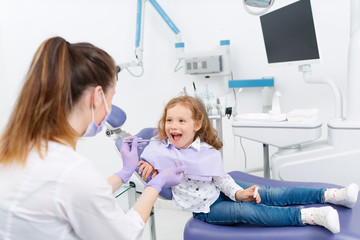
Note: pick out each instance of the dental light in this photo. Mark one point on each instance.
(265, 4)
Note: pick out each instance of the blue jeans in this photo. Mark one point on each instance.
(273, 209)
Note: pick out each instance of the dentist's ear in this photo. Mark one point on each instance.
(96, 96)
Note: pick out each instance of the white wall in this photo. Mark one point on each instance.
(110, 25)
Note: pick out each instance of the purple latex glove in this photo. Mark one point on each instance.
(169, 177)
(130, 157)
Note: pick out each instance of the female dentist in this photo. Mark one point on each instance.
(47, 190)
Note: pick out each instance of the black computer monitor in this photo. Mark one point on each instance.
(289, 34)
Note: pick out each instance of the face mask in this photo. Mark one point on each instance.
(92, 128)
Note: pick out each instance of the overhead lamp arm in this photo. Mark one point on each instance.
(139, 46)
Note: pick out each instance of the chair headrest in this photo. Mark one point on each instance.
(117, 117)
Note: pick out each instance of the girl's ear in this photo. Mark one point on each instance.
(197, 126)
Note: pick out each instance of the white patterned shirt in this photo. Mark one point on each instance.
(197, 195)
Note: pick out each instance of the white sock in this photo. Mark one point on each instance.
(345, 196)
(327, 217)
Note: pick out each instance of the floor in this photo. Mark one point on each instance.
(169, 222)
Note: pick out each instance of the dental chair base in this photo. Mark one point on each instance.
(196, 229)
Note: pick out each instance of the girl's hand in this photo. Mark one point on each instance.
(146, 169)
(247, 195)
(154, 173)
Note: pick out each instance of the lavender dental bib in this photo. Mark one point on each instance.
(201, 164)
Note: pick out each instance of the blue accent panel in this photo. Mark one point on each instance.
(179, 45)
(138, 23)
(264, 82)
(164, 16)
(224, 42)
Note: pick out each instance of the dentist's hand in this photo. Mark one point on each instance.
(169, 177)
(130, 157)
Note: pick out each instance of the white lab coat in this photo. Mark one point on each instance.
(61, 197)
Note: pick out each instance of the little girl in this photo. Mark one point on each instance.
(187, 137)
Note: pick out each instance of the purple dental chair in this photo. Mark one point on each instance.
(198, 230)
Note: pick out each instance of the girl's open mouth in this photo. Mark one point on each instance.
(176, 136)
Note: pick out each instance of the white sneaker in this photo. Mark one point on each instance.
(345, 196)
(327, 217)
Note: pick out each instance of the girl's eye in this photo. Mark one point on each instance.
(168, 120)
(181, 120)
